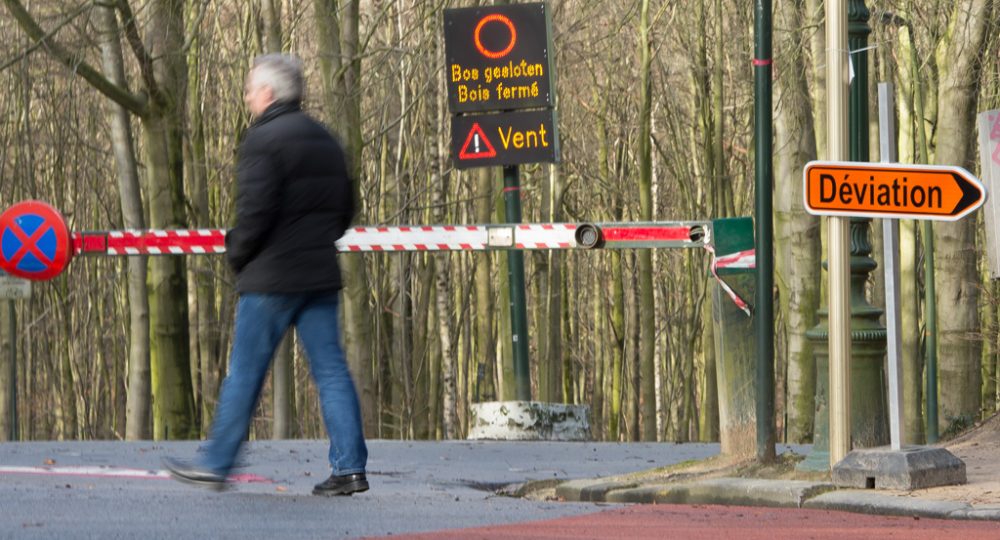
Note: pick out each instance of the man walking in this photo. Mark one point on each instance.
(294, 200)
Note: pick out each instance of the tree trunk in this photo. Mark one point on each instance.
(959, 360)
(8, 371)
(598, 383)
(337, 29)
(815, 16)
(137, 409)
(422, 335)
(67, 417)
(485, 331)
(556, 299)
(989, 376)
(909, 253)
(173, 404)
(548, 308)
(797, 233)
(282, 378)
(442, 264)
(206, 321)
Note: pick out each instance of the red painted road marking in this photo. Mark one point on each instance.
(697, 522)
(119, 472)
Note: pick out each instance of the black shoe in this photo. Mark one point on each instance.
(188, 473)
(342, 485)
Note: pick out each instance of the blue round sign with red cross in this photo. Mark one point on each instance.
(34, 241)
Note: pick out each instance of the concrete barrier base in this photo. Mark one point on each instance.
(912, 467)
(529, 421)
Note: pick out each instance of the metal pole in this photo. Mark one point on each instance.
(839, 237)
(763, 187)
(14, 434)
(8, 365)
(515, 271)
(890, 233)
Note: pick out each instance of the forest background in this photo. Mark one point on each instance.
(128, 113)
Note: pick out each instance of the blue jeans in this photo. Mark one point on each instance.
(261, 322)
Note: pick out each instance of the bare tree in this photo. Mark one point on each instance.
(137, 424)
(956, 258)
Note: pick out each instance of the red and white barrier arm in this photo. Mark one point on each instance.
(419, 238)
(150, 242)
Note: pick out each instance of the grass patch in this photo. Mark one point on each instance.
(783, 468)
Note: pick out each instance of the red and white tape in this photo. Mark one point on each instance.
(740, 259)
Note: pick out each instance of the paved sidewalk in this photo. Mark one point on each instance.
(715, 482)
(821, 495)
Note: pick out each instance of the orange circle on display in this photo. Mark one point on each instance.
(496, 17)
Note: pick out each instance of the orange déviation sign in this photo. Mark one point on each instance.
(870, 189)
(476, 145)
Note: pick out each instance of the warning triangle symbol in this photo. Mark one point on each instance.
(477, 146)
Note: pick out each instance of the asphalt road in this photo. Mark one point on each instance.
(117, 490)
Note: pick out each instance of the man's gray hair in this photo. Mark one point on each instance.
(282, 73)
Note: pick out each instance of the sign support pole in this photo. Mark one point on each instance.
(764, 302)
(839, 236)
(8, 372)
(515, 271)
(914, 467)
(890, 233)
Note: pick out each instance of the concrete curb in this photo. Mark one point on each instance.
(982, 514)
(746, 492)
(590, 490)
(730, 491)
(867, 502)
(770, 493)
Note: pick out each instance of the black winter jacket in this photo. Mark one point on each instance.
(293, 201)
